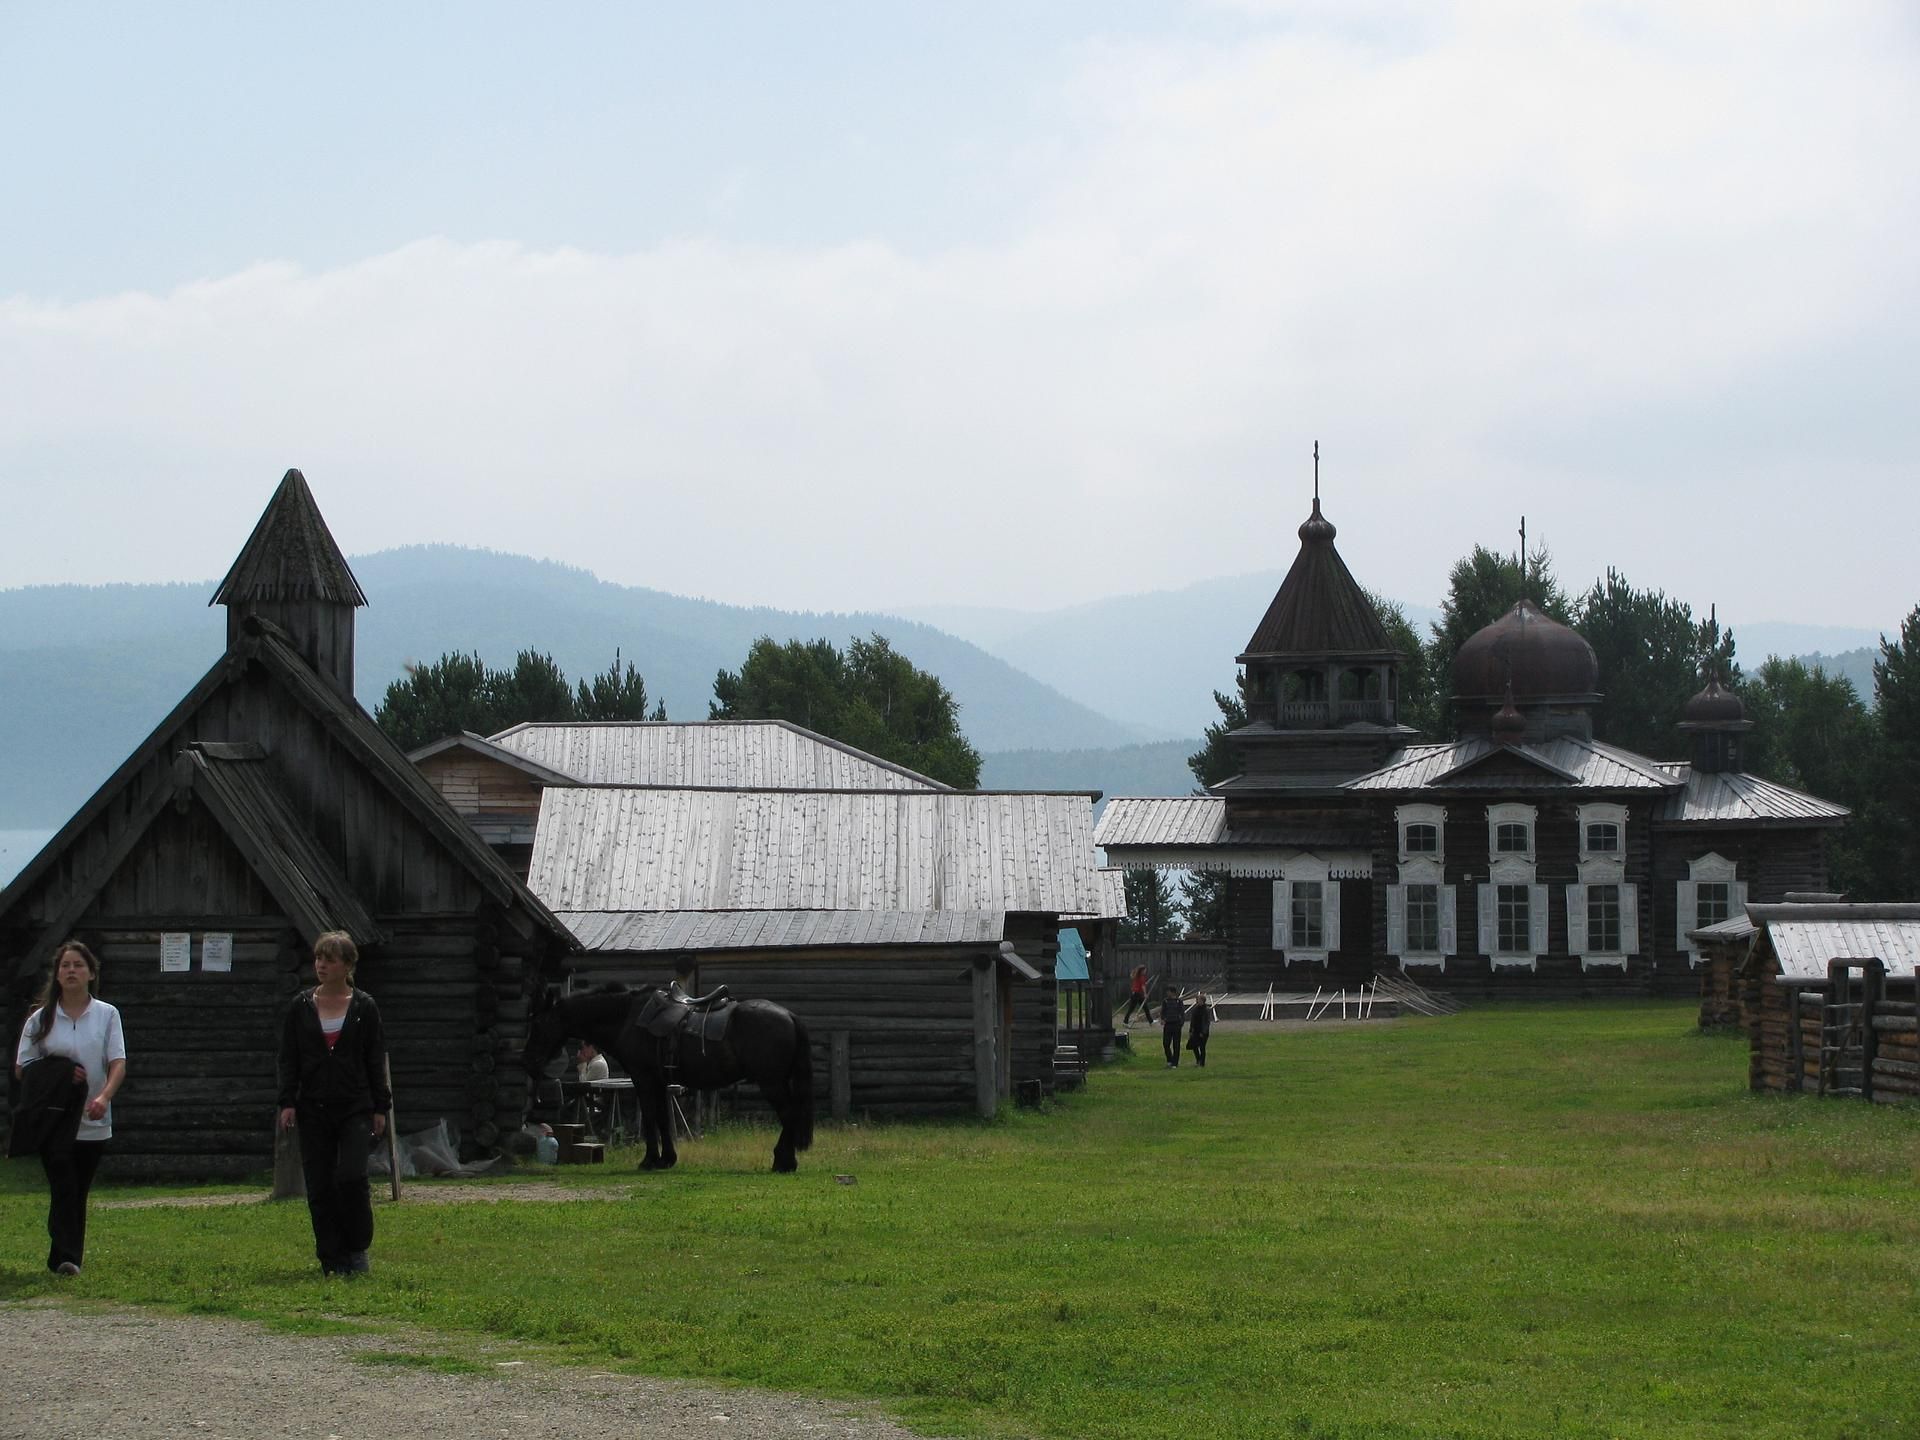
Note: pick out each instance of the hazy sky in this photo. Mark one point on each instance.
(891, 304)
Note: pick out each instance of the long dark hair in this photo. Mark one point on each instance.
(50, 992)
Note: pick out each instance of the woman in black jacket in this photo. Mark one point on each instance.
(333, 1089)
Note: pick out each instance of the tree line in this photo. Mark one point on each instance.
(869, 696)
(1811, 730)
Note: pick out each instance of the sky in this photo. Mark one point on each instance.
(880, 305)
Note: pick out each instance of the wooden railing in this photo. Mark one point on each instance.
(1315, 714)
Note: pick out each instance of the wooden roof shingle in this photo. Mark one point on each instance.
(720, 754)
(291, 555)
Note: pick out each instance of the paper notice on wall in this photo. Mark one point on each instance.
(176, 951)
(216, 953)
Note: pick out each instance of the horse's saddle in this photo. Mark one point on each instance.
(670, 1016)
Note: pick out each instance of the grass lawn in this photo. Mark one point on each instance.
(1526, 1221)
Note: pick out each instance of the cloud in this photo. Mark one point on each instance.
(1577, 262)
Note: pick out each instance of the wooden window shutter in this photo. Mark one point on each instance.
(1629, 919)
(1685, 908)
(1739, 899)
(1489, 920)
(1330, 915)
(1576, 919)
(1449, 922)
(1537, 918)
(1396, 920)
(1281, 911)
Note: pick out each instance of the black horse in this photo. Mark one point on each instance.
(763, 1042)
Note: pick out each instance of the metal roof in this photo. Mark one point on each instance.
(725, 754)
(1733, 928)
(1564, 763)
(481, 746)
(1740, 799)
(628, 932)
(1161, 821)
(615, 848)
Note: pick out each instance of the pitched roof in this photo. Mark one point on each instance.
(479, 745)
(624, 848)
(1735, 798)
(1806, 937)
(1565, 762)
(724, 754)
(1319, 607)
(290, 555)
(629, 931)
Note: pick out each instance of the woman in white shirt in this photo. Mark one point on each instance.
(69, 1021)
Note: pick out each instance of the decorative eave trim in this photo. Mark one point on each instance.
(1261, 864)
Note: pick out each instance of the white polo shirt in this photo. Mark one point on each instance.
(92, 1042)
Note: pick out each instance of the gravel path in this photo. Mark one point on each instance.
(95, 1373)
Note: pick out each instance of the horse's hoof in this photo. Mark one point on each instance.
(785, 1167)
(649, 1164)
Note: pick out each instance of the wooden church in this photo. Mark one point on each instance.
(1523, 856)
(266, 809)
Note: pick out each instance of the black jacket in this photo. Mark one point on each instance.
(51, 1102)
(352, 1076)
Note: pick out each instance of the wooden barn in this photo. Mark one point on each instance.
(266, 809)
(1828, 994)
(914, 931)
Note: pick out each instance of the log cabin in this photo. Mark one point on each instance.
(265, 809)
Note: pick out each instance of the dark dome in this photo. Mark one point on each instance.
(1316, 526)
(1715, 705)
(1541, 658)
(1508, 726)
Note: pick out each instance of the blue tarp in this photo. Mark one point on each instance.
(1072, 961)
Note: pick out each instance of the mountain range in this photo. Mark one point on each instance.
(1110, 695)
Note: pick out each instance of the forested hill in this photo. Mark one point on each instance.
(89, 670)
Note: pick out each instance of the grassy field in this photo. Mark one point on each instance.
(1515, 1222)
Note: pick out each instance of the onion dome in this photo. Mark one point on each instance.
(1508, 726)
(1714, 707)
(1528, 658)
(1316, 527)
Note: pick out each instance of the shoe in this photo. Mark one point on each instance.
(66, 1267)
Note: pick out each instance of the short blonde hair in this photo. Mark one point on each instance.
(337, 945)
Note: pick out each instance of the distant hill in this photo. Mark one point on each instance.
(92, 669)
(1156, 769)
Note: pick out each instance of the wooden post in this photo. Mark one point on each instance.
(986, 1060)
(393, 1132)
(840, 1074)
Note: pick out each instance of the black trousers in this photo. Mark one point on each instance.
(1170, 1042)
(1197, 1042)
(1137, 1002)
(333, 1153)
(70, 1166)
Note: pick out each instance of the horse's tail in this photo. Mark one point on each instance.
(800, 1082)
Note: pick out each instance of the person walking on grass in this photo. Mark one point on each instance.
(1199, 1028)
(333, 1091)
(1172, 1012)
(78, 1037)
(1137, 997)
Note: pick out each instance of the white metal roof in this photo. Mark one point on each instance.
(1566, 763)
(627, 932)
(1734, 798)
(648, 849)
(724, 754)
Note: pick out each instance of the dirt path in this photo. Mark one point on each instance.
(83, 1372)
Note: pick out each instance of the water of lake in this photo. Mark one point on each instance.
(17, 847)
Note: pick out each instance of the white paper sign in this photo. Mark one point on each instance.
(176, 951)
(216, 953)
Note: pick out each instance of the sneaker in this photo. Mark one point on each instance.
(66, 1267)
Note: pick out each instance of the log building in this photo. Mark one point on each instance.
(1523, 856)
(266, 809)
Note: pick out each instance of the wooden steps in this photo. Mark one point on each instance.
(579, 1148)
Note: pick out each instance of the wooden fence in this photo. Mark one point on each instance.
(1186, 963)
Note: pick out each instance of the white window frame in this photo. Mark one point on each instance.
(1512, 813)
(1712, 868)
(1310, 869)
(1614, 815)
(1434, 815)
(1489, 922)
(1602, 867)
(1449, 918)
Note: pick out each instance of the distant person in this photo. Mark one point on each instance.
(333, 1089)
(1137, 997)
(593, 1065)
(1173, 1011)
(74, 1120)
(1199, 1028)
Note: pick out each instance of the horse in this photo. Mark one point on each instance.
(764, 1042)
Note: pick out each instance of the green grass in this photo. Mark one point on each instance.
(1540, 1221)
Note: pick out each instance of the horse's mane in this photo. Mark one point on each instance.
(602, 1001)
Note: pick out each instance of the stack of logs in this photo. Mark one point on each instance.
(1896, 1056)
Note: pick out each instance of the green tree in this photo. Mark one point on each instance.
(1153, 908)
(452, 694)
(871, 697)
(1893, 819)
(534, 689)
(1420, 702)
(1203, 904)
(1215, 761)
(1653, 659)
(615, 694)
